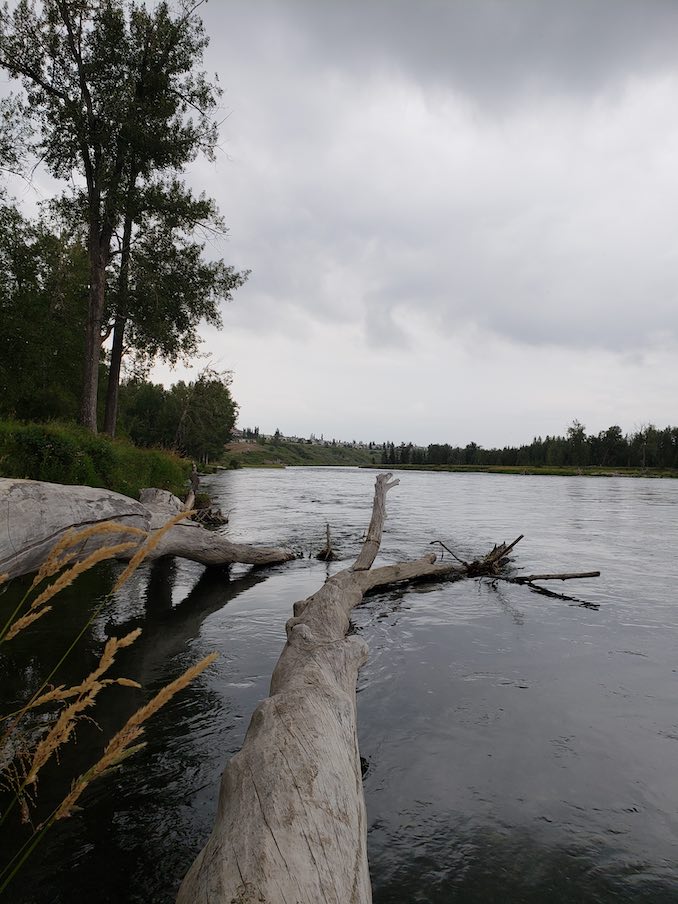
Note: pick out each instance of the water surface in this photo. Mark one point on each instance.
(519, 748)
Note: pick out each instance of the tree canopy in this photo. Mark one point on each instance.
(196, 417)
(43, 289)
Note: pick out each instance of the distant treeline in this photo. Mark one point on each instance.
(648, 447)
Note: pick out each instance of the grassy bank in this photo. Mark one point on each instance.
(545, 470)
(65, 453)
(281, 454)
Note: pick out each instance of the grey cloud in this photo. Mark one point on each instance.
(491, 50)
(494, 169)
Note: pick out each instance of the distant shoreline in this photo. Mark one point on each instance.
(537, 470)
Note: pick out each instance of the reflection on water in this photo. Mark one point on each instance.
(517, 748)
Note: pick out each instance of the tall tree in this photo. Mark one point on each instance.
(165, 287)
(89, 68)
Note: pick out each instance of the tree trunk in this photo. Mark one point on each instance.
(112, 390)
(113, 387)
(95, 313)
(290, 824)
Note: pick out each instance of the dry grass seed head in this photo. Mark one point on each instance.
(99, 555)
(37, 608)
(148, 547)
(25, 621)
(72, 539)
(120, 746)
(85, 694)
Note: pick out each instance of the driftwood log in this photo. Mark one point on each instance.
(34, 516)
(290, 825)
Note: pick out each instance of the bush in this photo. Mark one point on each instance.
(65, 453)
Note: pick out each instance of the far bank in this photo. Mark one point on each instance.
(537, 470)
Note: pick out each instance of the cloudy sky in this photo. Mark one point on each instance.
(461, 216)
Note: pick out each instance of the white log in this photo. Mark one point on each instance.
(191, 541)
(291, 825)
(34, 516)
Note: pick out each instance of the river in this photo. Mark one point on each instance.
(519, 748)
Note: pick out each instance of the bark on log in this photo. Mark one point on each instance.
(290, 825)
(34, 516)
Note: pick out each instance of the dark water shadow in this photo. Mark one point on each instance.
(139, 827)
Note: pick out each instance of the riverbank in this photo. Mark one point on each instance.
(536, 470)
(68, 454)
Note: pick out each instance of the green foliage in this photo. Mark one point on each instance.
(43, 299)
(170, 288)
(196, 417)
(64, 453)
(573, 453)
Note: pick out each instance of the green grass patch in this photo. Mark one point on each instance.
(68, 454)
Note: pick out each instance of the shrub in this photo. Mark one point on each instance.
(65, 453)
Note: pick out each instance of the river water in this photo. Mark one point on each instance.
(519, 748)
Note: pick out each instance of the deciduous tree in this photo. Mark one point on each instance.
(88, 69)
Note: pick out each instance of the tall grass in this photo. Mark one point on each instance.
(28, 743)
(66, 453)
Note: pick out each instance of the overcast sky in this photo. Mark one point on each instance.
(461, 217)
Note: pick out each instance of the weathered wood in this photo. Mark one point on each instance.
(326, 554)
(189, 540)
(370, 547)
(290, 825)
(34, 516)
(565, 576)
(493, 562)
(189, 502)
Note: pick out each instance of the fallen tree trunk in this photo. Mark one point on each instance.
(290, 825)
(34, 516)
